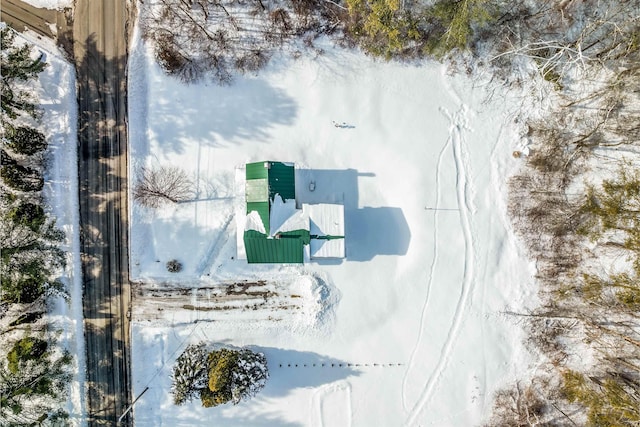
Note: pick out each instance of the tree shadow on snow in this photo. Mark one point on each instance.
(289, 369)
(214, 116)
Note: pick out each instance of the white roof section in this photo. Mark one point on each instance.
(326, 220)
(285, 217)
(327, 248)
(257, 190)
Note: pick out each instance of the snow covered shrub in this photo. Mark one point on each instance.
(189, 374)
(221, 376)
(234, 375)
(249, 376)
(174, 266)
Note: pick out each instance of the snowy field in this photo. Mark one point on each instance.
(410, 328)
(56, 92)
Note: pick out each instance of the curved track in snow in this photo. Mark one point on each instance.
(331, 406)
(432, 268)
(458, 124)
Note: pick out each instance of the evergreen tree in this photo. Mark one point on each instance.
(29, 255)
(189, 374)
(610, 401)
(17, 65)
(30, 394)
(222, 376)
(21, 178)
(383, 26)
(221, 365)
(249, 376)
(453, 23)
(615, 205)
(28, 348)
(25, 140)
(27, 214)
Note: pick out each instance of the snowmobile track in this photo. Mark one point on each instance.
(458, 124)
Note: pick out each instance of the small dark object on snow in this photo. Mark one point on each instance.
(174, 266)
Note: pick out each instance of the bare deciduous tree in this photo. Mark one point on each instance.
(159, 185)
(196, 39)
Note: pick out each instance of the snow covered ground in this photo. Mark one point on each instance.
(56, 92)
(407, 330)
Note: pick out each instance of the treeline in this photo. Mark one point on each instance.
(576, 204)
(33, 370)
(194, 39)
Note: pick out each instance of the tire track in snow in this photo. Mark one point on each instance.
(458, 123)
(213, 251)
(432, 268)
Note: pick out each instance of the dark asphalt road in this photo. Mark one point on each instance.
(100, 49)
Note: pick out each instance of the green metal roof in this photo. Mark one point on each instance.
(282, 181)
(263, 181)
(288, 248)
(257, 170)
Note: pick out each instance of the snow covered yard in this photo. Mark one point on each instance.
(408, 329)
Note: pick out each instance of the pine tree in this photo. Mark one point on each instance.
(17, 65)
(21, 178)
(609, 401)
(30, 254)
(28, 348)
(250, 375)
(384, 27)
(27, 214)
(615, 205)
(25, 140)
(189, 374)
(30, 394)
(454, 22)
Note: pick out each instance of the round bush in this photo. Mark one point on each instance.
(174, 266)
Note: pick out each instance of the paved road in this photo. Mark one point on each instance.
(100, 49)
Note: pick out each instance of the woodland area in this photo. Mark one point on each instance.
(34, 371)
(575, 203)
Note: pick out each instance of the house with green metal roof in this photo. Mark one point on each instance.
(276, 230)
